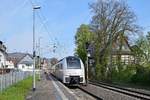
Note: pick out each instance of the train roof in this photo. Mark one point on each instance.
(68, 57)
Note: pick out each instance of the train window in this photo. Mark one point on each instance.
(73, 63)
(57, 67)
(60, 66)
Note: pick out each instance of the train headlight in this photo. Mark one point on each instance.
(81, 79)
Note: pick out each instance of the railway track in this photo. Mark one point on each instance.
(89, 93)
(137, 95)
(129, 92)
(82, 95)
(75, 92)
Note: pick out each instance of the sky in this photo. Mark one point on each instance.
(55, 23)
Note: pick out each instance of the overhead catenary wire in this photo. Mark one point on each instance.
(56, 43)
(42, 19)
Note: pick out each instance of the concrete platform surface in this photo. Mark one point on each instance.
(46, 89)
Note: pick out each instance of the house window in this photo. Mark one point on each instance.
(6, 66)
(125, 59)
(28, 65)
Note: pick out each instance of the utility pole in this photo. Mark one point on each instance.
(34, 52)
(87, 62)
(39, 47)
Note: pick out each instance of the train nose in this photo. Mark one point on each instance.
(74, 80)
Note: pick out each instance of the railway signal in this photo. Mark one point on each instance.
(87, 61)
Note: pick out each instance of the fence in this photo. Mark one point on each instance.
(11, 78)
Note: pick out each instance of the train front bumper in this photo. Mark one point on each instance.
(73, 79)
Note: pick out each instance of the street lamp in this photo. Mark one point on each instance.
(34, 52)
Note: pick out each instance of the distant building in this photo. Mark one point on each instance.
(45, 63)
(5, 66)
(123, 50)
(3, 55)
(22, 61)
(120, 50)
(9, 64)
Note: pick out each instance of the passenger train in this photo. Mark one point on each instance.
(70, 70)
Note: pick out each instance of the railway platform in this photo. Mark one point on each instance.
(51, 89)
(44, 90)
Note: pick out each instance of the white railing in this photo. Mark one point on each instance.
(11, 78)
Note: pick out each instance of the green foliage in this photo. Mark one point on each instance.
(124, 75)
(141, 49)
(17, 91)
(112, 21)
(101, 69)
(82, 36)
(142, 75)
(142, 52)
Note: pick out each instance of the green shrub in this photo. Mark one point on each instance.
(124, 75)
(142, 76)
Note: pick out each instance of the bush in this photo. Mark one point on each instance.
(124, 75)
(142, 76)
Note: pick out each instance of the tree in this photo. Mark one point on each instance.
(53, 61)
(82, 36)
(111, 18)
(142, 49)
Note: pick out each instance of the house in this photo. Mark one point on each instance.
(5, 66)
(122, 50)
(45, 64)
(22, 61)
(9, 64)
(3, 55)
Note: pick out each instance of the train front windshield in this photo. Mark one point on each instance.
(73, 63)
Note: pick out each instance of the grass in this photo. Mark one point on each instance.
(17, 91)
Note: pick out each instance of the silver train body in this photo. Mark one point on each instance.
(70, 70)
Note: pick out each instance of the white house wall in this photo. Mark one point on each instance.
(10, 64)
(26, 58)
(24, 67)
(2, 59)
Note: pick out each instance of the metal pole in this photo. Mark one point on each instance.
(39, 59)
(1, 78)
(33, 49)
(87, 69)
(34, 52)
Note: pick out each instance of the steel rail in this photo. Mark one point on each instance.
(132, 93)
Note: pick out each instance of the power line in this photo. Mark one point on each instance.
(44, 25)
(42, 19)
